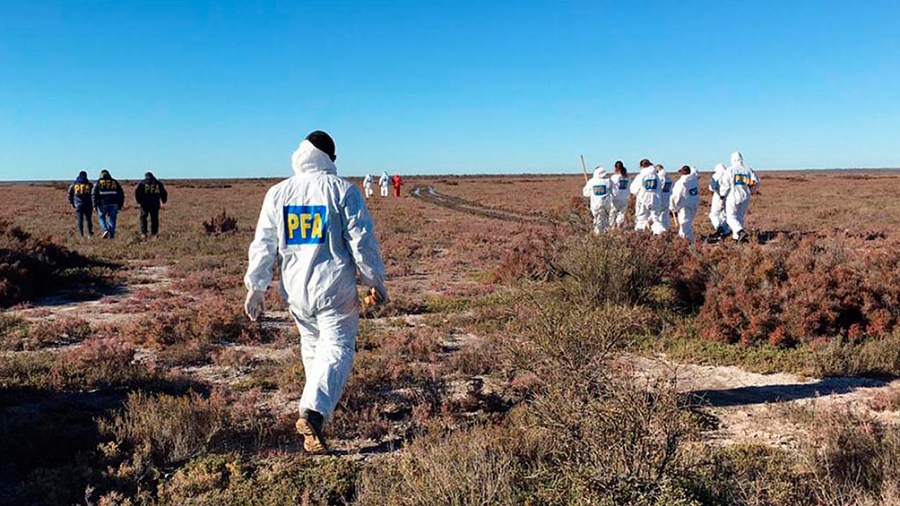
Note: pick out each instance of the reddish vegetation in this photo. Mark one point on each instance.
(171, 380)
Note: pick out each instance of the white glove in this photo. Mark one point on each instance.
(253, 306)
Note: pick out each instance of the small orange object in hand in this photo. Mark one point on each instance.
(372, 298)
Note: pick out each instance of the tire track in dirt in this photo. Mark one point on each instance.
(428, 194)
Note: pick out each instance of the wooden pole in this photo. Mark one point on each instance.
(584, 169)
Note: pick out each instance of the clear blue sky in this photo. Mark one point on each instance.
(228, 89)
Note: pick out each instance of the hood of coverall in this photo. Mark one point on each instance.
(309, 159)
(720, 169)
(737, 158)
(599, 173)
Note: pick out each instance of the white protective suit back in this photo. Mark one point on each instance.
(384, 180)
(738, 181)
(619, 190)
(598, 188)
(665, 192)
(319, 226)
(368, 180)
(686, 191)
(716, 178)
(646, 188)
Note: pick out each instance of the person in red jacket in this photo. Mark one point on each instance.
(397, 182)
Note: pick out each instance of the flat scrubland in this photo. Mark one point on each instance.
(521, 360)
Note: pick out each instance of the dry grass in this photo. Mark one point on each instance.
(507, 388)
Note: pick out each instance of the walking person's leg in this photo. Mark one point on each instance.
(112, 215)
(328, 346)
(79, 217)
(144, 216)
(102, 221)
(154, 221)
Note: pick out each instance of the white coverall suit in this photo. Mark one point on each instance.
(619, 202)
(318, 225)
(737, 184)
(717, 207)
(646, 189)
(384, 181)
(665, 195)
(598, 190)
(369, 185)
(685, 200)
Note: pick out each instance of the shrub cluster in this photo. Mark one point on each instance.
(800, 291)
(32, 266)
(220, 224)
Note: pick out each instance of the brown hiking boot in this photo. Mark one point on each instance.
(310, 427)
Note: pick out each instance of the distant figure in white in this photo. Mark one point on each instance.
(646, 189)
(737, 184)
(619, 202)
(369, 185)
(685, 200)
(665, 194)
(717, 207)
(384, 181)
(597, 189)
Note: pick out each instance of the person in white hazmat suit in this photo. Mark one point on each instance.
(665, 194)
(318, 225)
(737, 184)
(646, 189)
(717, 206)
(619, 201)
(369, 185)
(384, 181)
(598, 190)
(685, 200)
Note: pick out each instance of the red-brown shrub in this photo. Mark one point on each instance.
(797, 292)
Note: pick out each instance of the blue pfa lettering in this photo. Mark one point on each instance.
(599, 190)
(305, 224)
(693, 192)
(623, 184)
(651, 183)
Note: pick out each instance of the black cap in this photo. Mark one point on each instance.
(322, 141)
(148, 175)
(82, 174)
(104, 174)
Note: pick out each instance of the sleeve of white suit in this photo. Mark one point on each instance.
(264, 248)
(635, 187)
(677, 197)
(587, 190)
(359, 233)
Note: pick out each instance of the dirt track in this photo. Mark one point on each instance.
(428, 194)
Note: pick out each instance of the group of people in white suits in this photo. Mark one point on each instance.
(658, 199)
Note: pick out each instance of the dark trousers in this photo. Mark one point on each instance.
(85, 215)
(153, 214)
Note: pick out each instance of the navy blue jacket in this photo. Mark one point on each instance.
(80, 194)
(150, 192)
(108, 191)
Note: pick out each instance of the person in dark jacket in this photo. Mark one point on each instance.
(80, 200)
(149, 194)
(108, 199)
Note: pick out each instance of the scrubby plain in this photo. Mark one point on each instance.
(521, 361)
